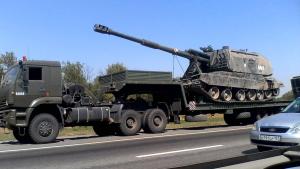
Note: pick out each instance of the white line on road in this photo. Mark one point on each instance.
(122, 140)
(178, 151)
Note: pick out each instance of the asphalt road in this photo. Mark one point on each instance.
(174, 148)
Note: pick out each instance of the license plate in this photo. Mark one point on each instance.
(269, 138)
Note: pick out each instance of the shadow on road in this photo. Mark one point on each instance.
(250, 151)
(62, 139)
(201, 128)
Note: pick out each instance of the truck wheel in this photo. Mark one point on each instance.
(155, 121)
(104, 129)
(43, 128)
(131, 123)
(21, 135)
(144, 117)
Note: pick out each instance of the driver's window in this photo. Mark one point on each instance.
(35, 73)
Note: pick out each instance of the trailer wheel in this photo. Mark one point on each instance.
(43, 128)
(21, 135)
(231, 120)
(131, 123)
(104, 129)
(155, 121)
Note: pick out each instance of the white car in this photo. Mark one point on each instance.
(278, 131)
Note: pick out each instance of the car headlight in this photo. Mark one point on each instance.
(295, 129)
(254, 127)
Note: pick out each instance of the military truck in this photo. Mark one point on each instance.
(35, 103)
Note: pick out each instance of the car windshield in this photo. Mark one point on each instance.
(294, 107)
(10, 75)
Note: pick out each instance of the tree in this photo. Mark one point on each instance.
(288, 96)
(74, 73)
(115, 68)
(7, 60)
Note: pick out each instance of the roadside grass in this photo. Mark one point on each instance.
(216, 120)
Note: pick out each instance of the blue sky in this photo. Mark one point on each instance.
(62, 30)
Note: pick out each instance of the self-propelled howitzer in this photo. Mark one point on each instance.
(224, 74)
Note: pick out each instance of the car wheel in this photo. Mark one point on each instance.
(263, 148)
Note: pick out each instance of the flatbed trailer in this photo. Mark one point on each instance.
(174, 98)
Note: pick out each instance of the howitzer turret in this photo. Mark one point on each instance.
(222, 74)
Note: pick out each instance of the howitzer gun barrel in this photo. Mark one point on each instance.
(105, 30)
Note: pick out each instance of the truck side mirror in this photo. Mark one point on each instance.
(25, 75)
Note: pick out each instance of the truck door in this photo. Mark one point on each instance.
(33, 87)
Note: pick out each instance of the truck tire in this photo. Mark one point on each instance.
(145, 116)
(43, 128)
(155, 121)
(23, 138)
(130, 124)
(104, 129)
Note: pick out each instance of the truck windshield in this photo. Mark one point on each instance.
(10, 75)
(294, 107)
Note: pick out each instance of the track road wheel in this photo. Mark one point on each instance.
(251, 95)
(155, 121)
(240, 95)
(21, 134)
(226, 95)
(260, 95)
(268, 94)
(104, 129)
(131, 123)
(43, 128)
(214, 93)
(262, 148)
(276, 92)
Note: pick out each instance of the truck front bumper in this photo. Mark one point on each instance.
(8, 118)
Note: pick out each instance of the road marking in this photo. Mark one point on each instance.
(122, 140)
(178, 151)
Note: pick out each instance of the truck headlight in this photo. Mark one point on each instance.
(295, 129)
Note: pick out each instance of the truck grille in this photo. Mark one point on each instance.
(274, 129)
(3, 104)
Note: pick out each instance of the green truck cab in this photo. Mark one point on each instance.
(26, 86)
(35, 103)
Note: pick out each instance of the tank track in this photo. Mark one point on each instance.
(196, 87)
